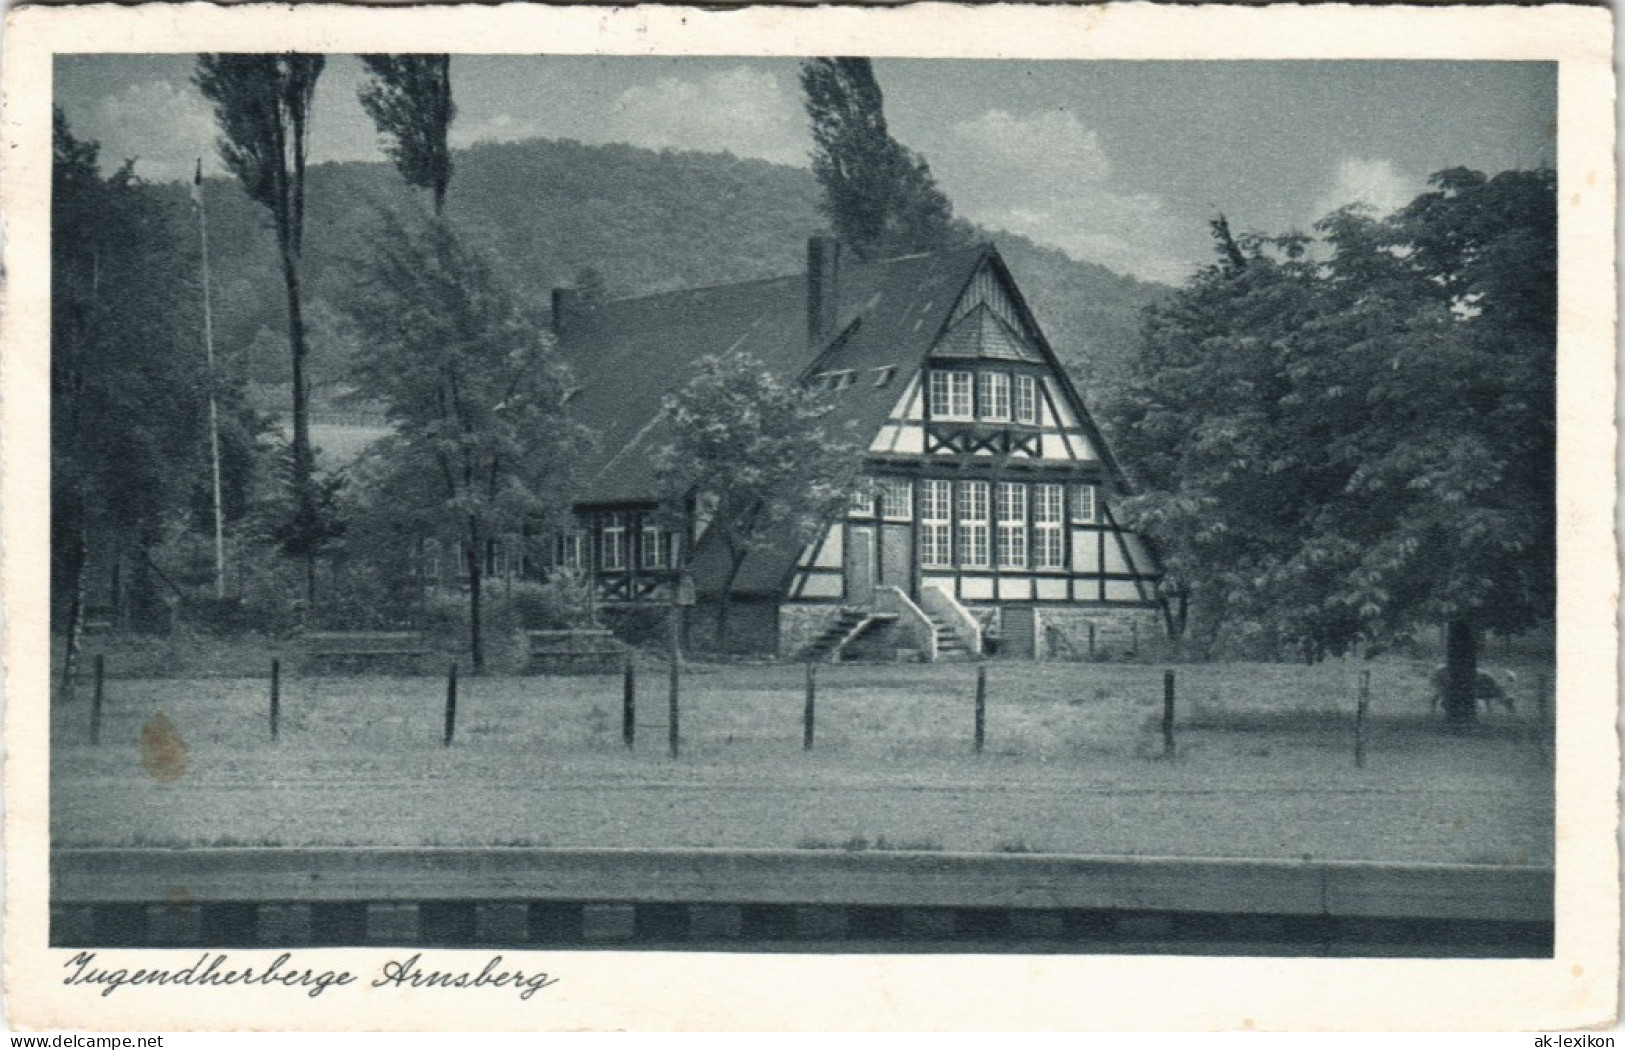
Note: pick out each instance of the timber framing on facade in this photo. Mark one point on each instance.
(989, 522)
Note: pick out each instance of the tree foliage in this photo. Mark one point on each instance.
(755, 454)
(466, 371)
(262, 104)
(409, 100)
(1344, 438)
(879, 196)
(129, 386)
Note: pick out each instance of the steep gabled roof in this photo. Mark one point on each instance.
(629, 353)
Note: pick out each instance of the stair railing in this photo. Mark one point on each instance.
(943, 605)
(913, 621)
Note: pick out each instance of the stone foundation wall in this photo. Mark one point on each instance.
(801, 623)
(1120, 632)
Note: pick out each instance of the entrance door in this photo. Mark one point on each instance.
(860, 565)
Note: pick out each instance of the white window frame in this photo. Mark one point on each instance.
(936, 524)
(951, 394)
(570, 550)
(1049, 510)
(896, 499)
(970, 513)
(1085, 505)
(656, 548)
(1026, 399)
(613, 552)
(993, 391)
(1012, 539)
(862, 503)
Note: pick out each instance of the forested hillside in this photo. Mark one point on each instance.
(646, 221)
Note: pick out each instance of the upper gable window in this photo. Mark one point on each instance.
(950, 394)
(1084, 511)
(993, 389)
(1026, 399)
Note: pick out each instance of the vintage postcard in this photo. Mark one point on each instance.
(532, 518)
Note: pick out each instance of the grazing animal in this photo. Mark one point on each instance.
(1486, 690)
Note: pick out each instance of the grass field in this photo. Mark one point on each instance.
(1072, 764)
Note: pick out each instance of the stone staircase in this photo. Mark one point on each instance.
(949, 646)
(847, 627)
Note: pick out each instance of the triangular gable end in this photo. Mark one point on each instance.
(986, 322)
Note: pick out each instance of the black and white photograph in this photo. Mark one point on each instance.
(651, 494)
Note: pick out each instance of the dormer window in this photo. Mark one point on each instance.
(950, 394)
(993, 390)
(1083, 505)
(1026, 399)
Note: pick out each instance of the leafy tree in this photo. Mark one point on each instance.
(470, 382)
(409, 100)
(879, 196)
(1339, 451)
(753, 451)
(128, 386)
(262, 103)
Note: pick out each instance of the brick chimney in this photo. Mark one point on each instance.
(566, 303)
(823, 289)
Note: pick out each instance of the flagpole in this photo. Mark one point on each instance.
(214, 411)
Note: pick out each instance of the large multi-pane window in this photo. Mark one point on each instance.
(972, 515)
(1012, 525)
(950, 394)
(896, 499)
(936, 545)
(1083, 505)
(993, 389)
(1048, 509)
(1026, 399)
(614, 546)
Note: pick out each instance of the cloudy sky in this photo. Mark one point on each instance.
(1120, 163)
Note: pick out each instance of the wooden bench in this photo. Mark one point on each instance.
(365, 650)
(582, 651)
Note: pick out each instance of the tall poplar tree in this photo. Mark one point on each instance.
(879, 196)
(262, 103)
(409, 100)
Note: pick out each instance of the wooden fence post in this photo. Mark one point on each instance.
(276, 694)
(1167, 714)
(96, 703)
(807, 713)
(1544, 732)
(1359, 718)
(981, 705)
(676, 629)
(629, 704)
(451, 704)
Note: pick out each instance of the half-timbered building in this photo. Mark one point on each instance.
(989, 521)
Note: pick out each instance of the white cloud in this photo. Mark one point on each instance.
(1046, 176)
(1046, 152)
(127, 125)
(1375, 182)
(744, 111)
